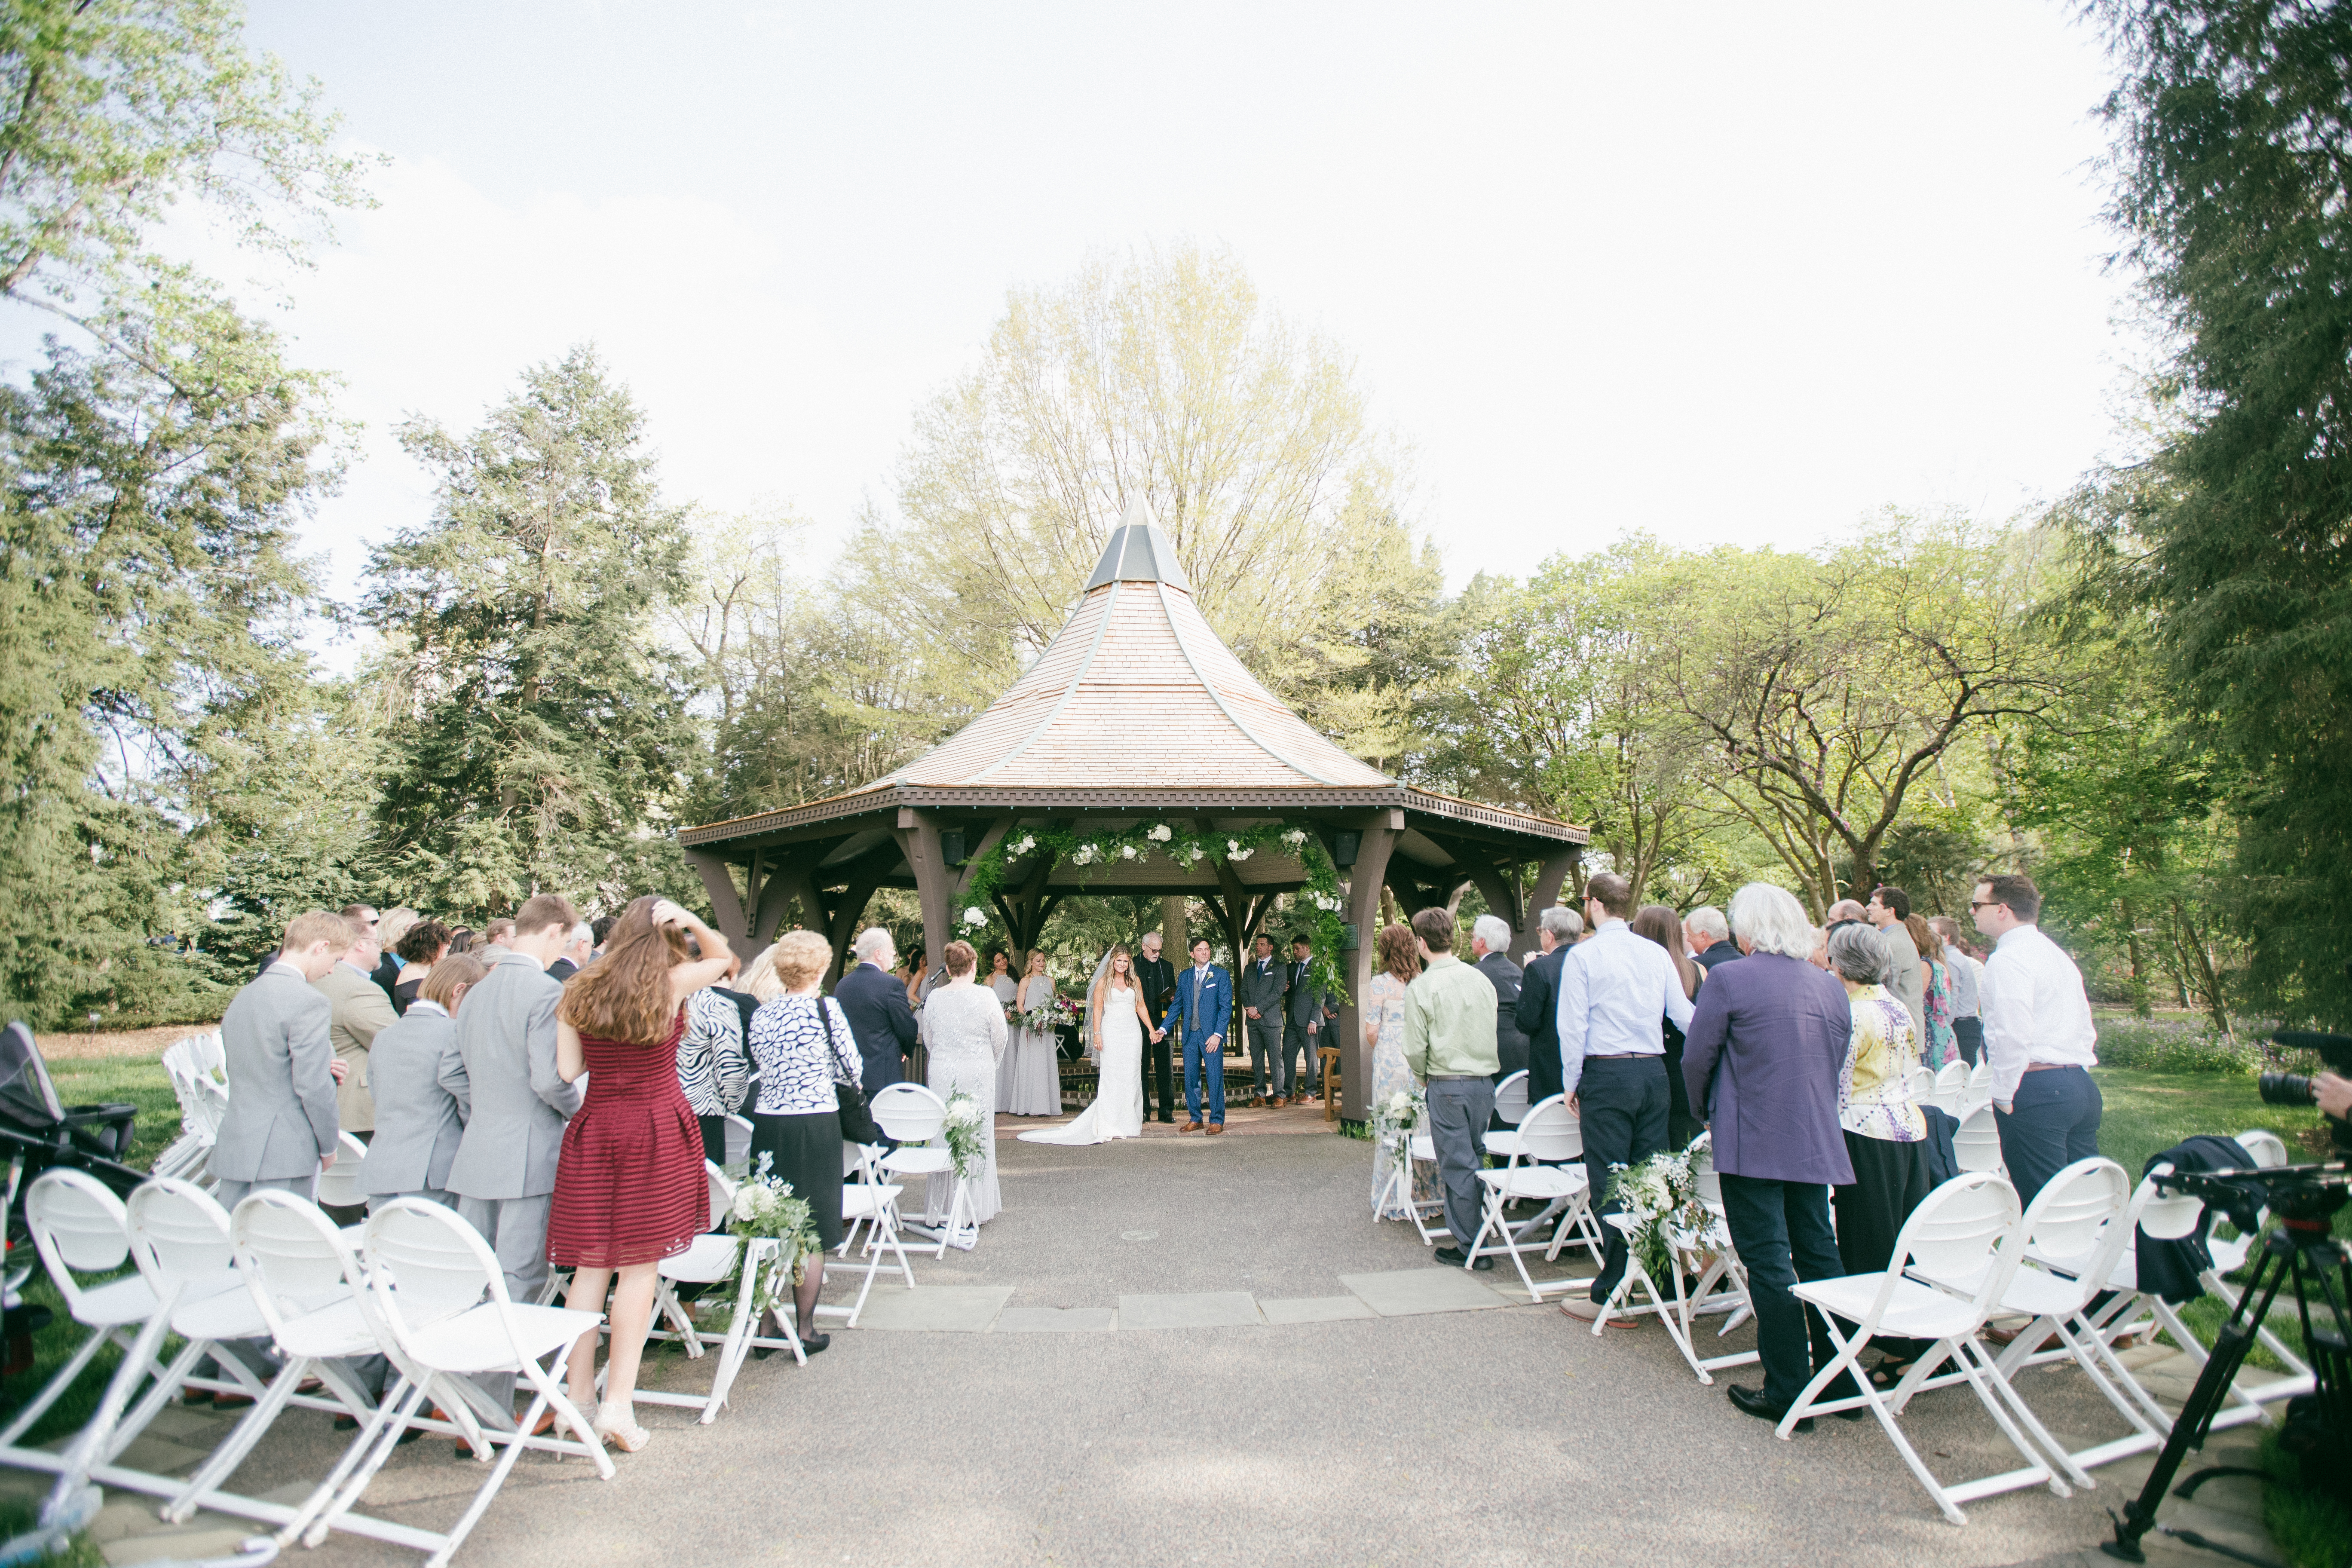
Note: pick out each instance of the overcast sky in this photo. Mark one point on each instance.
(1720, 272)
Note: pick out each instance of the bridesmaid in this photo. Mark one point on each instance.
(1036, 1066)
(629, 1184)
(1008, 992)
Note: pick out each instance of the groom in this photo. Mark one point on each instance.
(1199, 1014)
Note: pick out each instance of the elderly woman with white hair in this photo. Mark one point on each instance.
(1765, 1055)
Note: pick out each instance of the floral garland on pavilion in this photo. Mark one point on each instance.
(1096, 845)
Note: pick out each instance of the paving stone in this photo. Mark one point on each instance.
(1054, 1320)
(200, 1428)
(934, 1308)
(160, 1457)
(1190, 1309)
(1406, 1291)
(189, 1542)
(1315, 1310)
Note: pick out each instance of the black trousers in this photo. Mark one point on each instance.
(1621, 1104)
(2054, 1122)
(1156, 1068)
(1782, 1232)
(1969, 1035)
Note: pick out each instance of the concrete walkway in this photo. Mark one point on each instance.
(1194, 1351)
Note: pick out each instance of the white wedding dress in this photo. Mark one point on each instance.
(1117, 1110)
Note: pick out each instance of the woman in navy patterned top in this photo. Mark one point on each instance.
(802, 1046)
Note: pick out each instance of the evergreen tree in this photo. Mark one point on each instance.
(540, 728)
(2233, 139)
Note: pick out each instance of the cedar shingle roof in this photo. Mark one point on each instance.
(1136, 690)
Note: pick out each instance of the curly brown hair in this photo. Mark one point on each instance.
(624, 995)
(1398, 956)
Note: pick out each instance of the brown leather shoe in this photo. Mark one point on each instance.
(1215, 1128)
(1279, 1102)
(1188, 1127)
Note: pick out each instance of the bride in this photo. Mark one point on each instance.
(1116, 1016)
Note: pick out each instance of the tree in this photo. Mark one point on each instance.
(1162, 377)
(1830, 689)
(544, 727)
(2232, 136)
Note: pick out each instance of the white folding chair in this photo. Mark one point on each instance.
(305, 1282)
(78, 1227)
(1918, 1084)
(1420, 1148)
(1968, 1226)
(710, 1259)
(1549, 1134)
(1950, 1092)
(338, 1183)
(1979, 1087)
(914, 1115)
(2075, 1232)
(873, 1202)
(427, 1272)
(1953, 1074)
(1510, 1109)
(1723, 1285)
(1977, 1145)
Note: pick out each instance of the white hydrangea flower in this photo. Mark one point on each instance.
(1028, 842)
(1160, 833)
(1126, 851)
(975, 916)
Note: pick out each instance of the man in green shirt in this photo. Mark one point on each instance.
(1449, 1045)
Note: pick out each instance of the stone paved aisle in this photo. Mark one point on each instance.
(1183, 1351)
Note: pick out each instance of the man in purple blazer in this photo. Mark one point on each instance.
(1765, 1050)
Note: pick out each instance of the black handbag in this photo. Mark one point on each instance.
(849, 1100)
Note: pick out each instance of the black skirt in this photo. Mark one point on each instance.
(1889, 1181)
(805, 1152)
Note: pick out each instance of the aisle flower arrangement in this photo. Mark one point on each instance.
(1394, 1119)
(764, 1208)
(966, 1130)
(1659, 1195)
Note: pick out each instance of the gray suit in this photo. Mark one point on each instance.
(418, 1123)
(1263, 987)
(280, 1119)
(504, 1080)
(1303, 1006)
(1902, 977)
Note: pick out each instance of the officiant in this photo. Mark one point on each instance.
(1158, 978)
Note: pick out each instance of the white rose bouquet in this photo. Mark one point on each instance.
(764, 1208)
(967, 1131)
(1659, 1196)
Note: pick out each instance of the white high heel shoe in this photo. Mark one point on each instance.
(616, 1425)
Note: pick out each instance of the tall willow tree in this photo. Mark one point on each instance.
(1161, 376)
(541, 726)
(2232, 167)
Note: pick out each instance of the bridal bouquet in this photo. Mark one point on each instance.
(764, 1208)
(1659, 1196)
(1041, 1018)
(967, 1130)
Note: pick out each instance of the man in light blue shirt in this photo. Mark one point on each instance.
(1616, 990)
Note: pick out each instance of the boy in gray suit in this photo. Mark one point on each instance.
(280, 1128)
(514, 1103)
(1260, 988)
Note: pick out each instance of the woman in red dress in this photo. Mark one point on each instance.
(629, 1188)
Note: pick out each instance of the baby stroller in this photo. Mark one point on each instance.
(37, 1131)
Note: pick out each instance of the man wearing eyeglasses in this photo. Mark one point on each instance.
(2038, 1037)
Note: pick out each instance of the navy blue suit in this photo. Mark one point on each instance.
(1203, 1007)
(874, 1000)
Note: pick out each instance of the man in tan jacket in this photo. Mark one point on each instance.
(360, 1008)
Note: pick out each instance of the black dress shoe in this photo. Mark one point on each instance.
(812, 1343)
(1454, 1258)
(1753, 1402)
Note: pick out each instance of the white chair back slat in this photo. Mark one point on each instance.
(1918, 1084)
(2072, 1214)
(338, 1183)
(1958, 1226)
(739, 1140)
(178, 1233)
(2169, 1216)
(1980, 1077)
(1953, 1076)
(1977, 1145)
(909, 1113)
(2267, 1147)
(438, 1275)
(722, 1194)
(1549, 1133)
(292, 1255)
(78, 1226)
(1511, 1098)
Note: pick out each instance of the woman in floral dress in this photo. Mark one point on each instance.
(1383, 1014)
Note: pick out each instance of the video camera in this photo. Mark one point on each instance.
(2296, 1088)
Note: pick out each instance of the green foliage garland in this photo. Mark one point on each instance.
(1096, 845)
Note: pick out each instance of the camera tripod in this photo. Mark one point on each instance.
(2303, 1254)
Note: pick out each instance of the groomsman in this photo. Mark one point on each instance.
(1262, 985)
(1305, 1013)
(279, 1129)
(1157, 976)
(1200, 1013)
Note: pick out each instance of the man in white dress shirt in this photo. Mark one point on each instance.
(2038, 1037)
(1616, 990)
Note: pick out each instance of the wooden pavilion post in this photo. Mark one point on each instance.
(1365, 879)
(726, 904)
(935, 884)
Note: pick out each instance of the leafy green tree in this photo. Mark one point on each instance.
(543, 727)
(2232, 129)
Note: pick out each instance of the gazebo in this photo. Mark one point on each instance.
(1136, 712)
